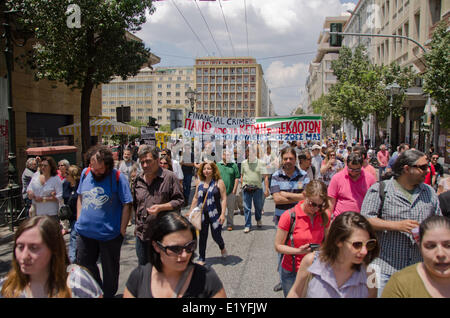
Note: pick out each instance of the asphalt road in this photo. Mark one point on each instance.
(248, 272)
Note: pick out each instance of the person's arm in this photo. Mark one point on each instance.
(302, 275)
(266, 183)
(220, 294)
(127, 294)
(194, 200)
(324, 168)
(280, 247)
(332, 204)
(79, 206)
(126, 213)
(236, 183)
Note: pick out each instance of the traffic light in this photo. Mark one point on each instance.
(335, 39)
(123, 114)
(176, 118)
(152, 122)
(424, 125)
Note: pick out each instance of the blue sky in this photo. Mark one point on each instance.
(275, 28)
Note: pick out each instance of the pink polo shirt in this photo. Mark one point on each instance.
(349, 194)
(383, 158)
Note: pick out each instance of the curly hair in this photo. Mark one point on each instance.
(216, 173)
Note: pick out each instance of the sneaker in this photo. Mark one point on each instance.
(259, 223)
(246, 230)
(277, 287)
(230, 228)
(224, 253)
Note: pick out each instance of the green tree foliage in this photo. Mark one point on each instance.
(329, 117)
(437, 75)
(86, 56)
(361, 88)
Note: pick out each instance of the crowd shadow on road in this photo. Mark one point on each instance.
(230, 260)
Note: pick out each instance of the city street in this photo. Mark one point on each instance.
(248, 272)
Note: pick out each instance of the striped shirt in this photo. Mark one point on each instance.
(282, 182)
(398, 249)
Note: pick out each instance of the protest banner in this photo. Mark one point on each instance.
(292, 128)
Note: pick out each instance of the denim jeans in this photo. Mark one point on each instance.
(256, 197)
(88, 251)
(287, 280)
(142, 251)
(187, 181)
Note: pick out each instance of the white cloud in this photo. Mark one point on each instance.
(275, 27)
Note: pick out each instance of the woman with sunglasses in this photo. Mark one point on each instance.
(339, 268)
(430, 278)
(311, 223)
(45, 189)
(330, 166)
(171, 272)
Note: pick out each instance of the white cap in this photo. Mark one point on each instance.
(316, 147)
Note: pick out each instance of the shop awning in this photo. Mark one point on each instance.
(100, 126)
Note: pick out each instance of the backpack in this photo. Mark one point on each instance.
(382, 194)
(89, 170)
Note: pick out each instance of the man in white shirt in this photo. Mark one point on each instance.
(316, 160)
(126, 164)
(175, 164)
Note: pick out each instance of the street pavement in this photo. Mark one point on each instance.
(248, 272)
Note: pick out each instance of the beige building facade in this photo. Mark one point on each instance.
(231, 87)
(152, 92)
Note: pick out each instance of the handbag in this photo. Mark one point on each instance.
(195, 217)
(65, 212)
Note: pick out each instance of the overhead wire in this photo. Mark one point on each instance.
(215, 43)
(176, 6)
(228, 31)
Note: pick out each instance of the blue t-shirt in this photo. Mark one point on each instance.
(102, 203)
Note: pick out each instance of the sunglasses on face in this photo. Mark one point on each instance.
(422, 167)
(370, 244)
(177, 249)
(354, 170)
(315, 205)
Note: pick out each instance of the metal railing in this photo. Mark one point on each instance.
(12, 207)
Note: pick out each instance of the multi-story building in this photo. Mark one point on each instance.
(415, 19)
(231, 87)
(152, 92)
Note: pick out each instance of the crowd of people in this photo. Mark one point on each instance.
(344, 229)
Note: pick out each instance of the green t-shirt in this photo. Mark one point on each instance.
(229, 172)
(252, 173)
(406, 283)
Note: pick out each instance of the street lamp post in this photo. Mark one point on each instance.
(191, 94)
(391, 90)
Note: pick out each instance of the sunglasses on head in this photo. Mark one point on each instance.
(370, 244)
(177, 249)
